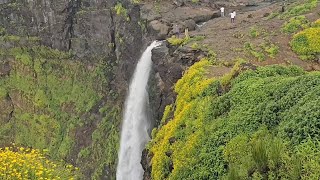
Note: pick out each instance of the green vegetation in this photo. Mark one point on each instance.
(174, 41)
(263, 50)
(193, 42)
(306, 44)
(300, 8)
(259, 125)
(3, 92)
(2, 31)
(238, 35)
(55, 98)
(121, 11)
(254, 32)
(316, 24)
(143, 25)
(295, 24)
(271, 49)
(257, 53)
(273, 15)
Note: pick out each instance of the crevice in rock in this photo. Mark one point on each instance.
(71, 10)
(112, 32)
(12, 105)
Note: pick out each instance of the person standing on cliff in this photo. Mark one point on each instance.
(176, 31)
(283, 6)
(222, 11)
(233, 15)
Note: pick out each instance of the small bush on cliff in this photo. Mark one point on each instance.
(121, 11)
(254, 32)
(175, 41)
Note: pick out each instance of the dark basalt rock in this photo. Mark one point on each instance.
(146, 164)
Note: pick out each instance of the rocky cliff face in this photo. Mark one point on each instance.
(169, 63)
(55, 86)
(89, 28)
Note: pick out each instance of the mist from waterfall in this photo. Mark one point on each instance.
(135, 125)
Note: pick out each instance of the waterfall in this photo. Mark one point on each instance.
(135, 125)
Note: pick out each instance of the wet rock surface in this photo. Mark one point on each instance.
(169, 64)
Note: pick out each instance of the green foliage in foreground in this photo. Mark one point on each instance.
(263, 124)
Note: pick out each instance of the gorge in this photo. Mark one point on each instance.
(226, 101)
(136, 124)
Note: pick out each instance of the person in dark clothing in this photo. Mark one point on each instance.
(283, 6)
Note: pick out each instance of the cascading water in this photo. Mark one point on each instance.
(135, 125)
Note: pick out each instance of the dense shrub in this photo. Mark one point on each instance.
(264, 126)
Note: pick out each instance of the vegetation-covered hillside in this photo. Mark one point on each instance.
(262, 124)
(52, 101)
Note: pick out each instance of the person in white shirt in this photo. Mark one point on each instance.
(233, 15)
(222, 11)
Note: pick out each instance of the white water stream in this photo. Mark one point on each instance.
(135, 125)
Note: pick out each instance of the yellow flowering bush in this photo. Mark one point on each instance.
(307, 42)
(192, 84)
(175, 41)
(24, 163)
(172, 148)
